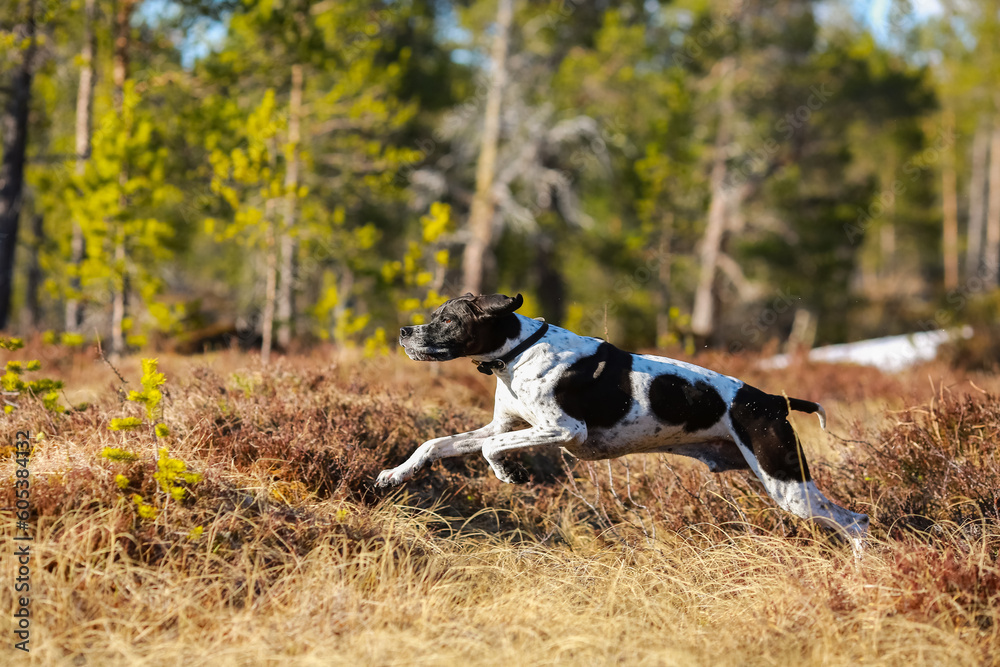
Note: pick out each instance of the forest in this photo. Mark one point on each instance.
(187, 174)
(215, 214)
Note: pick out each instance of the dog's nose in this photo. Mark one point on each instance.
(405, 332)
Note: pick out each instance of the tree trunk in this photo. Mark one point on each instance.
(480, 228)
(551, 286)
(977, 202)
(32, 304)
(345, 286)
(84, 107)
(992, 254)
(286, 288)
(663, 302)
(703, 314)
(270, 269)
(270, 290)
(123, 19)
(803, 333)
(949, 203)
(14, 125)
(887, 246)
(119, 309)
(119, 300)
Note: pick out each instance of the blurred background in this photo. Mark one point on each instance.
(738, 175)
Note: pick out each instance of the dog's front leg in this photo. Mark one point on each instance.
(439, 448)
(564, 433)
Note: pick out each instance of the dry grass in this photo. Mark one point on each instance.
(644, 560)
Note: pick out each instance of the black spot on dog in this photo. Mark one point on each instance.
(597, 389)
(491, 334)
(678, 402)
(488, 321)
(761, 422)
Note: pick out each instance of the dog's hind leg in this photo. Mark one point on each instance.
(803, 499)
(768, 442)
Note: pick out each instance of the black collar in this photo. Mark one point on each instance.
(488, 367)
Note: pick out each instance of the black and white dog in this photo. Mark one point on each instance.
(598, 402)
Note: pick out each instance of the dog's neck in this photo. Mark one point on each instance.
(529, 328)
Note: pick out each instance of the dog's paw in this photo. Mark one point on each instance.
(509, 472)
(392, 477)
(505, 478)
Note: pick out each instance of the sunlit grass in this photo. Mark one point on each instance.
(283, 553)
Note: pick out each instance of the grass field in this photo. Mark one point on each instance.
(280, 551)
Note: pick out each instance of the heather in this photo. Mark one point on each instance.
(259, 537)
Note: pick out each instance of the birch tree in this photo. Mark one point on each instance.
(719, 210)
(991, 256)
(977, 200)
(949, 206)
(286, 288)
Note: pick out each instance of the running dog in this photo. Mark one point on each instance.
(598, 402)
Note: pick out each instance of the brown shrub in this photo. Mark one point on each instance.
(936, 583)
(285, 530)
(936, 463)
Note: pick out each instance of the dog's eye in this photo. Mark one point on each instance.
(447, 320)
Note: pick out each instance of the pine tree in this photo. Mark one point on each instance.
(83, 130)
(21, 49)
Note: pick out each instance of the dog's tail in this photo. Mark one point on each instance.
(808, 406)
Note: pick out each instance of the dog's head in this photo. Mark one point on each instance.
(466, 326)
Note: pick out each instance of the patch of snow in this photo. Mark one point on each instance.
(889, 354)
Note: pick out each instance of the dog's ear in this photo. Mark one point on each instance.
(495, 305)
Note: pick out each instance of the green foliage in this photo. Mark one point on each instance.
(377, 344)
(245, 179)
(11, 344)
(193, 174)
(171, 473)
(150, 396)
(13, 385)
(65, 338)
(112, 209)
(423, 265)
(51, 402)
(247, 384)
(348, 179)
(125, 424)
(144, 509)
(118, 455)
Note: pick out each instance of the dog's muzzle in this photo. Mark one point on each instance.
(417, 349)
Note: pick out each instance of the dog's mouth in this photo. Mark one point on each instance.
(428, 353)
